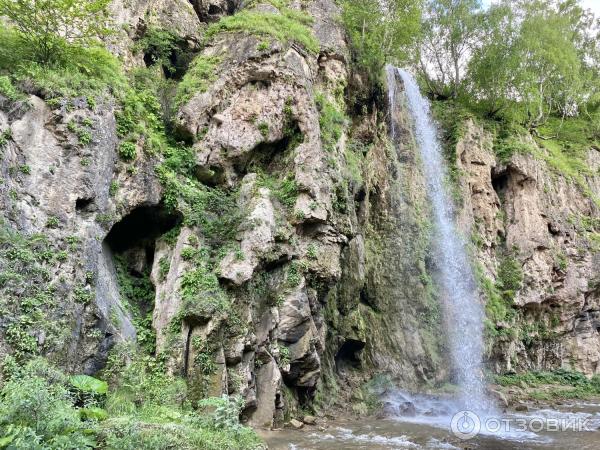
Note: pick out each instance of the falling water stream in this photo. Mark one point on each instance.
(463, 311)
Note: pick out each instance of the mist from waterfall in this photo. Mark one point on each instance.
(463, 312)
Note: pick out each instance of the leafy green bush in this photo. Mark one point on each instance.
(380, 31)
(510, 276)
(582, 386)
(145, 409)
(285, 190)
(86, 71)
(331, 120)
(36, 409)
(128, 150)
(26, 296)
(8, 90)
(48, 28)
(87, 384)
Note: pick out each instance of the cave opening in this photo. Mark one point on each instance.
(500, 182)
(84, 204)
(131, 245)
(171, 52)
(212, 10)
(348, 355)
(141, 227)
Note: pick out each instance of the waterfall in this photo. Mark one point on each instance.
(463, 312)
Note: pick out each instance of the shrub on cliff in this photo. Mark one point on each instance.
(47, 29)
(54, 47)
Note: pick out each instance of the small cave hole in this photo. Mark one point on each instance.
(84, 204)
(348, 356)
(210, 176)
(270, 157)
(174, 60)
(364, 297)
(553, 229)
(214, 9)
(500, 182)
(360, 195)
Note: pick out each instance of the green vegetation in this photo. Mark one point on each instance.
(113, 188)
(285, 190)
(290, 26)
(137, 297)
(501, 316)
(528, 71)
(201, 74)
(214, 210)
(139, 122)
(40, 407)
(8, 90)
(381, 32)
(565, 384)
(263, 127)
(294, 274)
(26, 296)
(202, 295)
(50, 28)
(82, 132)
(82, 71)
(331, 120)
(163, 47)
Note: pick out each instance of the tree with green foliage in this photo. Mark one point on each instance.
(493, 67)
(450, 33)
(47, 27)
(535, 59)
(381, 31)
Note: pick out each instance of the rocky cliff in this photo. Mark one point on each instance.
(290, 254)
(279, 249)
(534, 232)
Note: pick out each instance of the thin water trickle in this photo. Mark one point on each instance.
(464, 316)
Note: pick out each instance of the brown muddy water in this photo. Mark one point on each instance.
(575, 426)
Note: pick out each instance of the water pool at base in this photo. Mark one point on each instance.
(434, 432)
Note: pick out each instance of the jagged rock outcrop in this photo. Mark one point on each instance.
(523, 209)
(57, 184)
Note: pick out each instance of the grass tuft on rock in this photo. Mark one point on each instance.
(288, 26)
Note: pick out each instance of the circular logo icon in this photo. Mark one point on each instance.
(465, 425)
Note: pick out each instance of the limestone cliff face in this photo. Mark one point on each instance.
(309, 271)
(524, 210)
(322, 281)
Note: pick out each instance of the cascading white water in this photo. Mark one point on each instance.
(463, 312)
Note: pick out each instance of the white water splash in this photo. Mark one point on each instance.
(463, 312)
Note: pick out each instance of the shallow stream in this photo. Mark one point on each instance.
(575, 426)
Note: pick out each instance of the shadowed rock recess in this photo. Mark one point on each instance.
(289, 262)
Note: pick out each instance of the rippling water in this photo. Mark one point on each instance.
(420, 432)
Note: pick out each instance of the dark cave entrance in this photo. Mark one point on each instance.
(500, 182)
(212, 10)
(348, 355)
(271, 156)
(132, 242)
(174, 57)
(140, 228)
